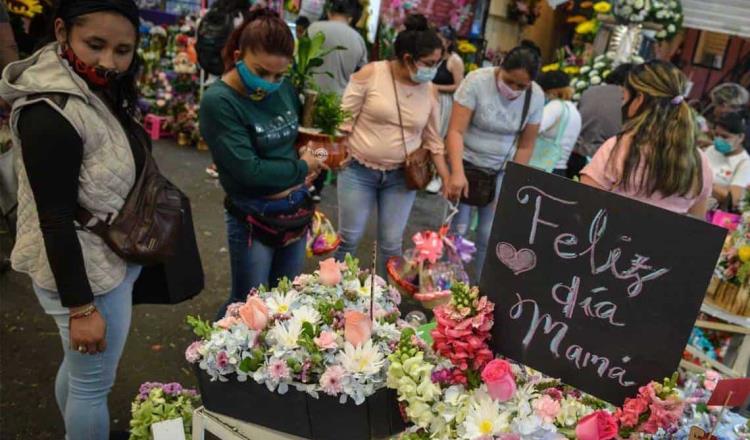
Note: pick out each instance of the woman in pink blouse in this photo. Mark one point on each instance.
(655, 159)
(375, 175)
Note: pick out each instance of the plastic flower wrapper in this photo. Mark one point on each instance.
(158, 402)
(314, 335)
(322, 238)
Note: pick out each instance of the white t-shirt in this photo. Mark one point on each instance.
(551, 120)
(488, 142)
(731, 170)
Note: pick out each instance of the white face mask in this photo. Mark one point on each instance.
(506, 92)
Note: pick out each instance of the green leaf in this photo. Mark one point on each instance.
(246, 364)
(315, 62)
(308, 330)
(316, 44)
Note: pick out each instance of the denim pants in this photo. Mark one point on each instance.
(486, 216)
(360, 189)
(84, 381)
(252, 263)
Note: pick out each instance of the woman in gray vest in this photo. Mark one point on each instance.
(72, 118)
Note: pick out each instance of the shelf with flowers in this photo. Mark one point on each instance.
(468, 53)
(595, 72)
(457, 389)
(309, 349)
(730, 286)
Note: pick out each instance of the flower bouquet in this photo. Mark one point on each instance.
(595, 72)
(632, 11)
(159, 402)
(429, 269)
(308, 349)
(730, 286)
(456, 389)
(667, 13)
(322, 238)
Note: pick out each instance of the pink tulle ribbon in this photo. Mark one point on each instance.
(428, 246)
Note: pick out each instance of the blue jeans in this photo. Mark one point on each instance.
(84, 381)
(360, 189)
(253, 263)
(486, 216)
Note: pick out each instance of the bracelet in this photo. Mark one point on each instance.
(85, 313)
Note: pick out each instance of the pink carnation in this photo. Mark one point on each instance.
(547, 408)
(631, 411)
(222, 359)
(326, 341)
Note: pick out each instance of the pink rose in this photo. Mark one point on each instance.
(357, 327)
(498, 375)
(547, 408)
(326, 341)
(330, 272)
(254, 314)
(599, 425)
(227, 323)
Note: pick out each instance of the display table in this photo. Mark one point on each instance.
(734, 324)
(227, 428)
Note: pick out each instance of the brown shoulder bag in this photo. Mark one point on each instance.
(146, 229)
(418, 166)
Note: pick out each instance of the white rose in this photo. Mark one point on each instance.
(611, 55)
(635, 18)
(661, 34)
(671, 28)
(576, 97)
(595, 81)
(599, 66)
(660, 14)
(585, 70)
(581, 85)
(639, 4)
(627, 10)
(673, 5)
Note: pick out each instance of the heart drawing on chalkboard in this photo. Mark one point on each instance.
(519, 261)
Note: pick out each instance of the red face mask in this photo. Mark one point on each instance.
(97, 76)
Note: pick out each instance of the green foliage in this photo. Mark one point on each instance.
(328, 114)
(201, 328)
(310, 55)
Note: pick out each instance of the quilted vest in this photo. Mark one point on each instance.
(107, 170)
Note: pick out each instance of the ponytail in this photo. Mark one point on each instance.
(262, 31)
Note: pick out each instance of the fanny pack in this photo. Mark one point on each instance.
(277, 227)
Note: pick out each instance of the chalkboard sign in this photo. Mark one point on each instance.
(593, 288)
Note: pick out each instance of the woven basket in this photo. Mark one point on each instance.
(730, 297)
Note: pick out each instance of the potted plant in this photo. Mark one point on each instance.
(322, 114)
(327, 116)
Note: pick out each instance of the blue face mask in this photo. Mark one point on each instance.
(256, 87)
(424, 74)
(722, 145)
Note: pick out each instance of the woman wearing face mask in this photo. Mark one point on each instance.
(729, 160)
(72, 118)
(250, 119)
(496, 117)
(655, 159)
(393, 109)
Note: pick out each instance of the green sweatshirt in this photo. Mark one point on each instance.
(252, 142)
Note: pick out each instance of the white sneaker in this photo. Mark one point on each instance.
(434, 186)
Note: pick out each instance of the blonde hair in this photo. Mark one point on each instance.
(564, 93)
(663, 134)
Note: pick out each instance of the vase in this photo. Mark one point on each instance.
(334, 146)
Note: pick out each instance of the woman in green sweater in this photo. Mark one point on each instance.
(250, 120)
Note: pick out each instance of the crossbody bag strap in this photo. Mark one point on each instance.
(398, 109)
(562, 124)
(524, 113)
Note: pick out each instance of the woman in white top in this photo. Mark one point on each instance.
(729, 161)
(561, 121)
(488, 128)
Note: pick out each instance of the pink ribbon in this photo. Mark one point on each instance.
(428, 246)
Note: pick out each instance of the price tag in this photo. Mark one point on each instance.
(169, 430)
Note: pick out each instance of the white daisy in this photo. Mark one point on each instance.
(485, 419)
(306, 314)
(286, 334)
(364, 359)
(280, 304)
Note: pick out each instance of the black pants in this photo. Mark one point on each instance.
(575, 165)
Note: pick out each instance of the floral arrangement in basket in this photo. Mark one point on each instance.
(159, 402)
(434, 265)
(457, 389)
(314, 334)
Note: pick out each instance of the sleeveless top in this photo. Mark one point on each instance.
(444, 77)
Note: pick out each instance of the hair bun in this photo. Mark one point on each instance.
(259, 13)
(416, 22)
